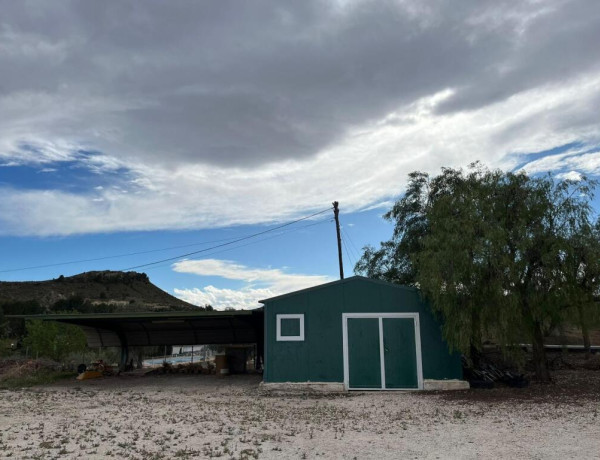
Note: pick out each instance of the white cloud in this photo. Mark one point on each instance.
(306, 103)
(275, 278)
(576, 161)
(221, 299)
(260, 283)
(366, 168)
(571, 175)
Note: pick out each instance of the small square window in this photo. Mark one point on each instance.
(290, 328)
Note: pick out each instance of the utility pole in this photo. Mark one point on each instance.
(336, 213)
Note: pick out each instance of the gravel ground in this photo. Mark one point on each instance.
(199, 416)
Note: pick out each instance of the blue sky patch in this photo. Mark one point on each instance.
(526, 158)
(75, 176)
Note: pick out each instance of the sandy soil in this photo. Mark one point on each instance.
(199, 416)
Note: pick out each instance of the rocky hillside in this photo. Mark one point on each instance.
(103, 290)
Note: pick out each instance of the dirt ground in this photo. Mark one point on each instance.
(201, 416)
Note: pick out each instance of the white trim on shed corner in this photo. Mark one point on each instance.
(381, 316)
(290, 338)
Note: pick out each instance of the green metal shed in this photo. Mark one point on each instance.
(356, 334)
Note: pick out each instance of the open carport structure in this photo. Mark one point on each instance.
(126, 330)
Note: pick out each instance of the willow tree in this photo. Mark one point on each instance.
(490, 254)
(582, 268)
(392, 261)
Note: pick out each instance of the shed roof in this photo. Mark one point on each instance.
(351, 279)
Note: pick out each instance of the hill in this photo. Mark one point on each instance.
(95, 291)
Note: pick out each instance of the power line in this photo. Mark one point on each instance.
(116, 256)
(346, 249)
(164, 264)
(353, 248)
(328, 220)
(350, 239)
(227, 244)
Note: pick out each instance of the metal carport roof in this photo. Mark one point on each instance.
(165, 328)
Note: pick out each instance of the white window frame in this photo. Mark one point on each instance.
(290, 338)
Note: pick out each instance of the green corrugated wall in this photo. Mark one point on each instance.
(319, 358)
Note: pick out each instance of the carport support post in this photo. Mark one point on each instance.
(124, 351)
(124, 356)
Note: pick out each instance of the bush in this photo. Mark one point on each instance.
(16, 327)
(54, 340)
(18, 373)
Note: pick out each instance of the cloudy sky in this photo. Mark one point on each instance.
(141, 126)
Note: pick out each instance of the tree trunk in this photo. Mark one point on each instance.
(542, 372)
(585, 332)
(563, 340)
(475, 357)
(476, 348)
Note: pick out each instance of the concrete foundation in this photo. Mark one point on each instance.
(334, 387)
(445, 385)
(318, 387)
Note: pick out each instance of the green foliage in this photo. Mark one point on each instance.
(582, 268)
(16, 327)
(54, 340)
(78, 304)
(392, 261)
(6, 347)
(499, 255)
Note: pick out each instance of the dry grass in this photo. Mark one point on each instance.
(201, 416)
(20, 373)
